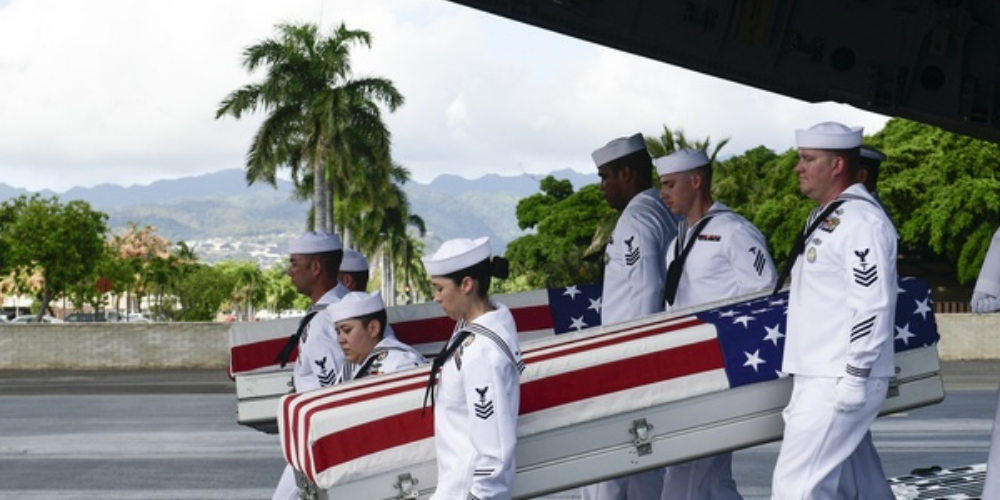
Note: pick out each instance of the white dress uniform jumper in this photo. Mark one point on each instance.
(986, 299)
(728, 258)
(389, 356)
(475, 410)
(840, 326)
(634, 276)
(320, 363)
(635, 265)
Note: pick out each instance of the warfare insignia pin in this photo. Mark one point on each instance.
(811, 255)
(830, 224)
(382, 355)
(468, 340)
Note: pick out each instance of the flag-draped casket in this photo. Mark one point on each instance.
(597, 403)
(261, 380)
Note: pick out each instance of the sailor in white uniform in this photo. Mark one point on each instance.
(864, 465)
(634, 269)
(986, 299)
(362, 324)
(871, 164)
(839, 339)
(313, 266)
(478, 372)
(720, 256)
(354, 271)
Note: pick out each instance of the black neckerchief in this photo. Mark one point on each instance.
(293, 341)
(800, 243)
(677, 265)
(439, 361)
(367, 365)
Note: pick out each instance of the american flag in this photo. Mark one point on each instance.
(751, 334)
(342, 433)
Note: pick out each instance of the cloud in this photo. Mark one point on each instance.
(125, 92)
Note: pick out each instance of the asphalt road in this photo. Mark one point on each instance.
(173, 435)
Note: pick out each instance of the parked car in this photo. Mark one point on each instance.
(88, 317)
(138, 318)
(31, 318)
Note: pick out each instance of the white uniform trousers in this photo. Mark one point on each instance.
(862, 477)
(992, 487)
(819, 440)
(709, 478)
(287, 489)
(642, 486)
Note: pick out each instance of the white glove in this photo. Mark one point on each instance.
(983, 303)
(849, 394)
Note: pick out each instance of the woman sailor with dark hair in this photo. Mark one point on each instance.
(477, 376)
(365, 336)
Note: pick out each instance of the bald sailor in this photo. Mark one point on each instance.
(839, 339)
(313, 264)
(634, 269)
(717, 255)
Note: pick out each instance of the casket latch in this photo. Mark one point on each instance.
(407, 486)
(642, 431)
(893, 390)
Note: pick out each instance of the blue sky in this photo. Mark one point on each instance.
(124, 92)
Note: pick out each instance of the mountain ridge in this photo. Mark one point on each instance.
(221, 205)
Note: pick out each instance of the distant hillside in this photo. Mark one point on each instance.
(223, 184)
(520, 186)
(221, 205)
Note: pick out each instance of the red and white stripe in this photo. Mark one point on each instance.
(340, 434)
(253, 346)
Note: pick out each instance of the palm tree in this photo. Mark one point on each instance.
(672, 140)
(378, 214)
(319, 116)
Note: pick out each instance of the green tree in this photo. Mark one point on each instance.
(142, 252)
(943, 190)
(565, 222)
(201, 292)
(248, 290)
(377, 212)
(764, 188)
(671, 140)
(279, 291)
(318, 115)
(63, 241)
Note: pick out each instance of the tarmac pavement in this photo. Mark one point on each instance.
(173, 435)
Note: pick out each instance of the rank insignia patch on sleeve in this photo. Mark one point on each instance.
(759, 259)
(632, 254)
(483, 406)
(865, 274)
